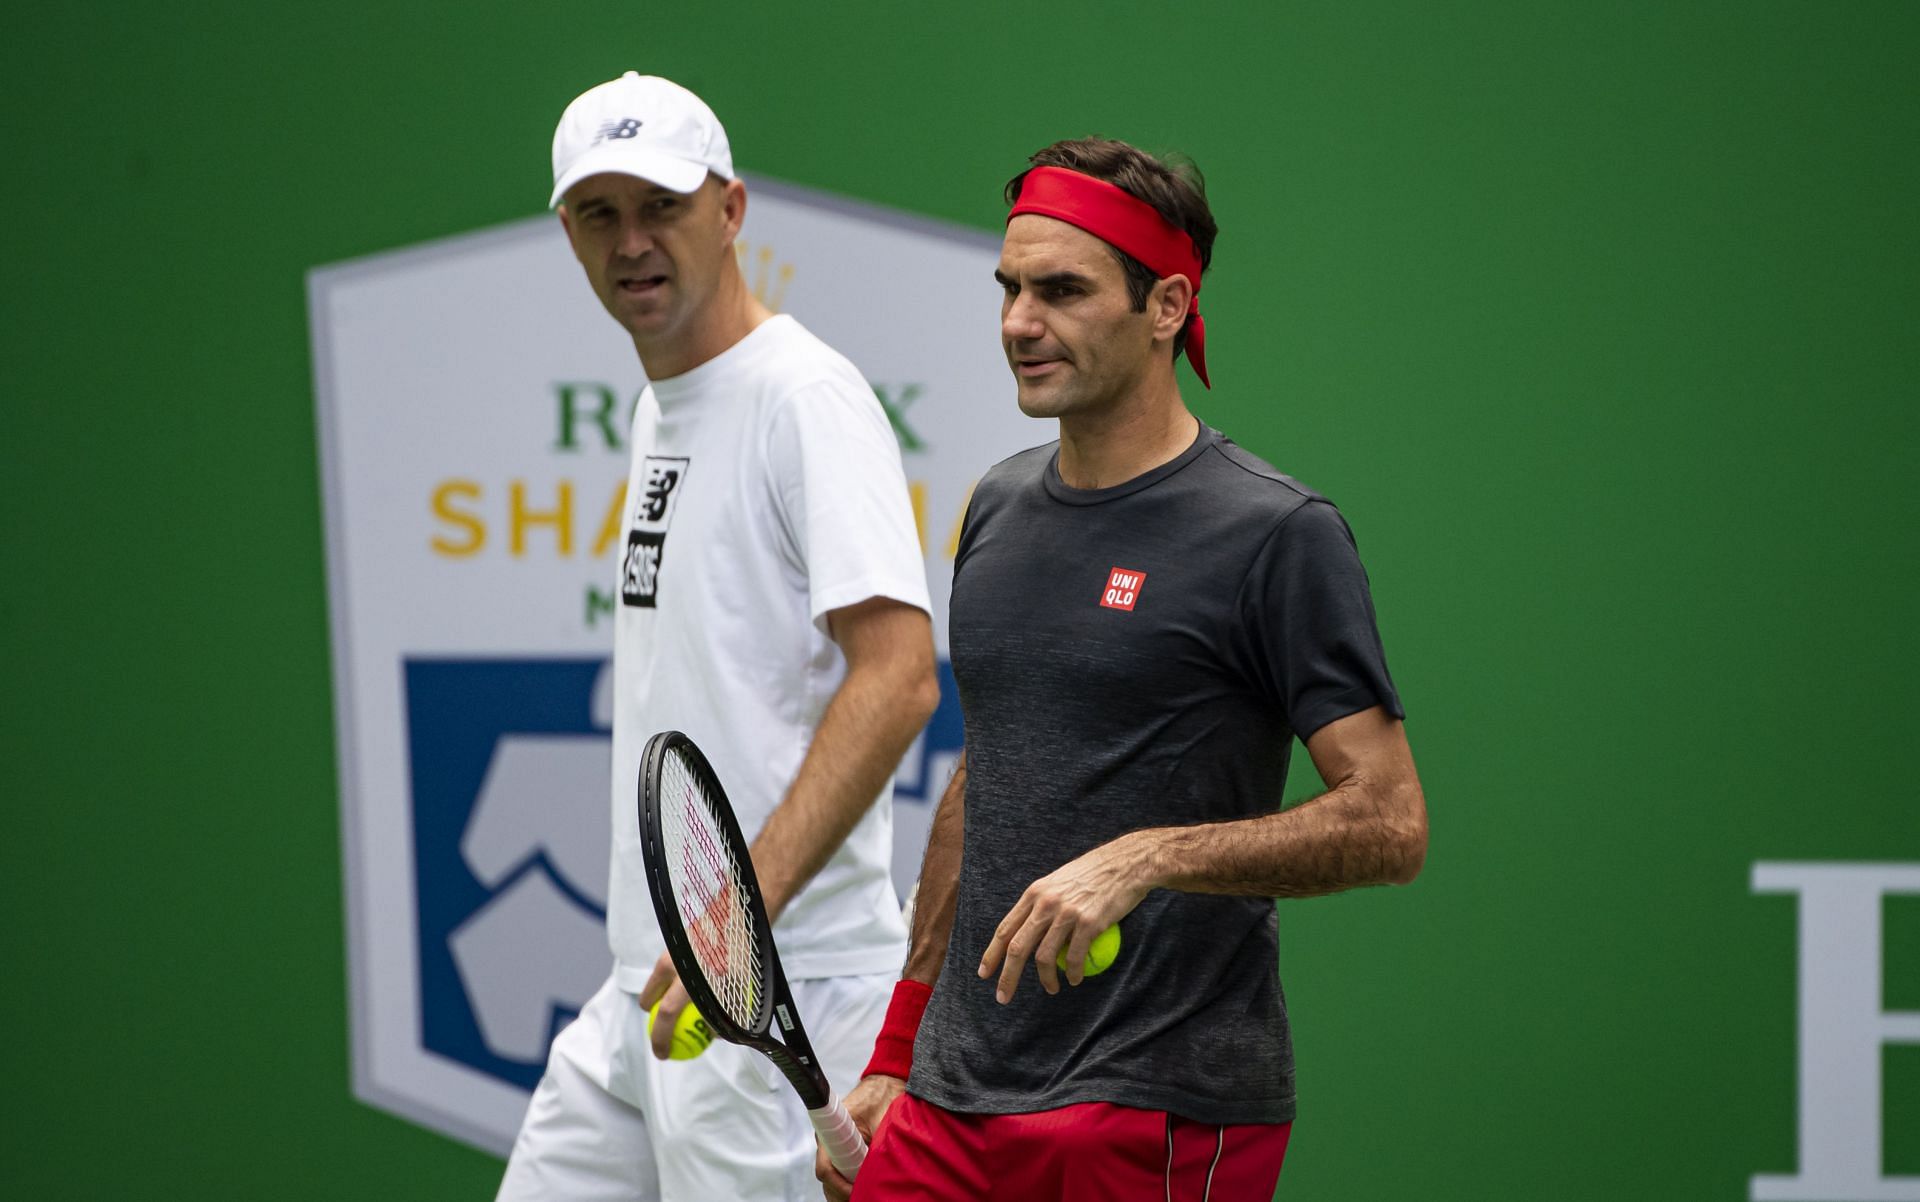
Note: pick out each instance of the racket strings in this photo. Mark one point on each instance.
(710, 892)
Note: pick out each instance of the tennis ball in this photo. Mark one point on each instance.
(691, 1035)
(1100, 953)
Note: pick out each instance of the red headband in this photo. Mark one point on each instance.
(1124, 221)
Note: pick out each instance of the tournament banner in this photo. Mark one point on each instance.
(474, 403)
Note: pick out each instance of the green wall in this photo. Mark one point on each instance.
(1598, 320)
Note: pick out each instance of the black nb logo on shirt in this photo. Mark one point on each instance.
(660, 482)
(660, 485)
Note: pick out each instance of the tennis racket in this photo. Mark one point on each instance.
(715, 923)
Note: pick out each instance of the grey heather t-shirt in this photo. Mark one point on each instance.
(1141, 655)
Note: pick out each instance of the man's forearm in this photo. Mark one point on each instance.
(868, 726)
(939, 882)
(1349, 836)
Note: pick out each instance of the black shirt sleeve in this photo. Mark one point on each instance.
(1310, 642)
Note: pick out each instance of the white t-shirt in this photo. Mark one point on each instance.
(766, 490)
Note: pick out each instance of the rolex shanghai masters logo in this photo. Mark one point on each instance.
(485, 523)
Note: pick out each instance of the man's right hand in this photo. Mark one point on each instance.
(868, 1104)
(664, 987)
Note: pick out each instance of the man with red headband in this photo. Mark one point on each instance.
(1144, 618)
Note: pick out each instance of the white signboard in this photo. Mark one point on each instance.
(473, 408)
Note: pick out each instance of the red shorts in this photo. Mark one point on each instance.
(1092, 1152)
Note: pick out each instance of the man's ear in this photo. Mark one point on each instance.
(1171, 299)
(733, 208)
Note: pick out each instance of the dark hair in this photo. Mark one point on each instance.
(1176, 190)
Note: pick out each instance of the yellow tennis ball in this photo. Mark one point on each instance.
(691, 1035)
(1100, 953)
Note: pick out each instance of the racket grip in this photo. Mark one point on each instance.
(841, 1138)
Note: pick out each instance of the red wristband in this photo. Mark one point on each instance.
(893, 1051)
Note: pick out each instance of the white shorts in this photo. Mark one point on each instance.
(609, 1123)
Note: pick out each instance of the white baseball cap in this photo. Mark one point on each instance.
(639, 125)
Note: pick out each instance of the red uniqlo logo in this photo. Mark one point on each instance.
(1123, 588)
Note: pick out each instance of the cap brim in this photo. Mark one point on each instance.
(642, 162)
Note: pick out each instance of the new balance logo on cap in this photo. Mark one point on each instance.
(642, 126)
(1123, 589)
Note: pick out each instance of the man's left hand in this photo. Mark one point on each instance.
(1066, 909)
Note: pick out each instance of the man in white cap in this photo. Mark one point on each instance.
(774, 607)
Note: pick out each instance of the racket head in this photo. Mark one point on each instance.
(705, 894)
